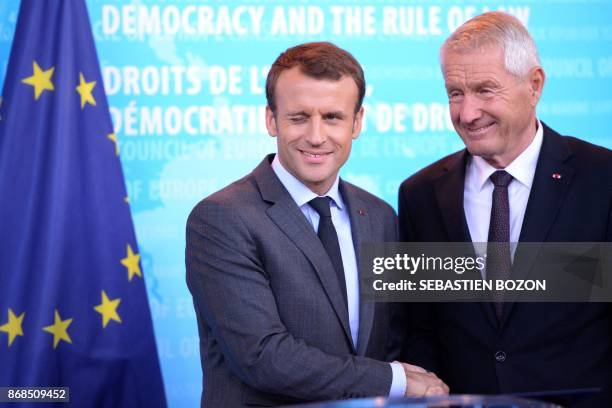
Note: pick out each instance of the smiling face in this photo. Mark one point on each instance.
(315, 124)
(492, 110)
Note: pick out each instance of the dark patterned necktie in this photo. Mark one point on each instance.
(329, 238)
(498, 254)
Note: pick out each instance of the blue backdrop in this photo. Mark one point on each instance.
(185, 82)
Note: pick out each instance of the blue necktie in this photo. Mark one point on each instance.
(329, 238)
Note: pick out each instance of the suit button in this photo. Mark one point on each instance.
(500, 356)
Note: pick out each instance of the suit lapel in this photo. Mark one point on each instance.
(545, 200)
(547, 193)
(285, 213)
(360, 229)
(448, 189)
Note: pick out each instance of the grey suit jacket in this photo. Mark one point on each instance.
(273, 326)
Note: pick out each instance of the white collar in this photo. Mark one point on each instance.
(522, 168)
(298, 191)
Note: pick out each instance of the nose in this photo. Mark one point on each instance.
(470, 109)
(316, 132)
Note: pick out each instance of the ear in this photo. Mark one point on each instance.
(536, 84)
(357, 123)
(271, 122)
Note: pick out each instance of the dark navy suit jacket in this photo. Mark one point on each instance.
(544, 346)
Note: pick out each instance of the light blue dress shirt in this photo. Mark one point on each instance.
(342, 222)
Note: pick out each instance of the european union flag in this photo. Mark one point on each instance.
(73, 304)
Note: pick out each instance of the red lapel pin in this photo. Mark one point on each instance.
(360, 212)
(556, 176)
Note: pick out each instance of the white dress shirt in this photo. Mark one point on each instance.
(342, 222)
(478, 192)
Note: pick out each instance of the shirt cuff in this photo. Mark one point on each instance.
(398, 385)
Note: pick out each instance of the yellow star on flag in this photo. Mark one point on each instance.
(84, 89)
(108, 309)
(59, 329)
(131, 263)
(13, 326)
(113, 138)
(40, 80)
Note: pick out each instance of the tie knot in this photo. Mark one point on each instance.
(501, 178)
(321, 206)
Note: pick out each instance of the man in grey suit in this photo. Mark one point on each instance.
(272, 259)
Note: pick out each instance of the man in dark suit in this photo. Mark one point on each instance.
(517, 181)
(272, 259)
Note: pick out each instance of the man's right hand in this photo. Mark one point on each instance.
(422, 383)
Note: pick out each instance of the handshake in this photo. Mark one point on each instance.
(422, 383)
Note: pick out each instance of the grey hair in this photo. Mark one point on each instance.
(498, 29)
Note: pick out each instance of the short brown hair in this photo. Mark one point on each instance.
(320, 60)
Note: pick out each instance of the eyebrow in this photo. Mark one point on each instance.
(334, 114)
(486, 83)
(297, 113)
